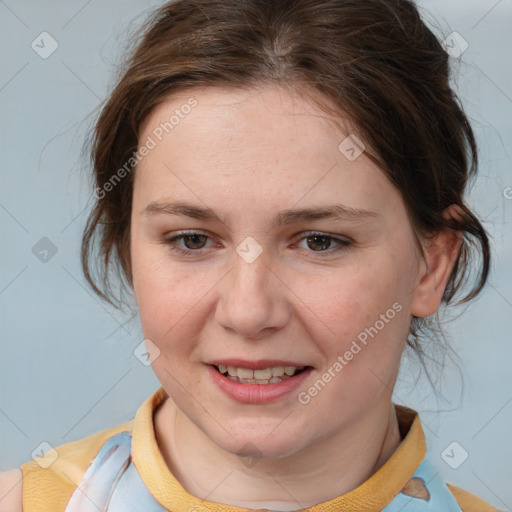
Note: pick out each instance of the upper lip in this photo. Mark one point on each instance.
(260, 364)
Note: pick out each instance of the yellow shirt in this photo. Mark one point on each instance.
(48, 489)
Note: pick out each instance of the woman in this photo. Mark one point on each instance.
(281, 185)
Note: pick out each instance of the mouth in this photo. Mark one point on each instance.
(258, 382)
(270, 375)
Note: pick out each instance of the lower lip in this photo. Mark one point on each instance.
(257, 393)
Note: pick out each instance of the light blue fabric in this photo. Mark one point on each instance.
(441, 499)
(113, 484)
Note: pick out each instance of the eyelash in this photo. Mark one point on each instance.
(172, 240)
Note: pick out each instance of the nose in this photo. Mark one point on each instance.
(253, 299)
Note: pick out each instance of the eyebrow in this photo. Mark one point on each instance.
(285, 217)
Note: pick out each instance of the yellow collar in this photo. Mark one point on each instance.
(371, 496)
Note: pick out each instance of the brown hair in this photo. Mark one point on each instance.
(374, 62)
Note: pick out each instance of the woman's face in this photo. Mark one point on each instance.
(257, 289)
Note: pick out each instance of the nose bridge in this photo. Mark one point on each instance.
(251, 276)
(252, 299)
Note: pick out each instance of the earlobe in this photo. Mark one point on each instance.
(441, 253)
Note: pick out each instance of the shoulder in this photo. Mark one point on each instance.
(469, 502)
(50, 479)
(11, 491)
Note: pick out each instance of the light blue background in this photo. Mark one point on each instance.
(66, 366)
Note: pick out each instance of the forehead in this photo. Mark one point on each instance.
(270, 143)
(242, 120)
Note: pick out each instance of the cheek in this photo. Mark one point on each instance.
(362, 333)
(168, 306)
(363, 329)
(163, 297)
(345, 301)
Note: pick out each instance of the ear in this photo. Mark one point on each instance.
(441, 252)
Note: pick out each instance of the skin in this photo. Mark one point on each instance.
(247, 155)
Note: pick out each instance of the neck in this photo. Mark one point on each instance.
(310, 476)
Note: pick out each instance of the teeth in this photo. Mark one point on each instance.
(262, 374)
(273, 380)
(245, 373)
(270, 375)
(278, 371)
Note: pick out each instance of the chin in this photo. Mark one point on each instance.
(260, 445)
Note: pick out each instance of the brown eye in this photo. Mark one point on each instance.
(197, 241)
(324, 244)
(187, 243)
(319, 242)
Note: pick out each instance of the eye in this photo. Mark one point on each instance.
(194, 242)
(320, 243)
